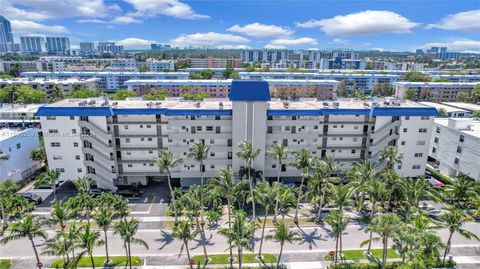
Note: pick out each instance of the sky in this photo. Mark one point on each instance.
(395, 25)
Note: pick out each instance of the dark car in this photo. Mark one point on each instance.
(129, 193)
(97, 191)
(49, 186)
(31, 197)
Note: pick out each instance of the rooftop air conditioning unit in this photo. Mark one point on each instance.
(325, 103)
(197, 105)
(336, 104)
(286, 104)
(83, 103)
(91, 102)
(220, 105)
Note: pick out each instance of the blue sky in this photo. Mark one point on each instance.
(374, 24)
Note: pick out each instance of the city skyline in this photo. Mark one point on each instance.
(274, 24)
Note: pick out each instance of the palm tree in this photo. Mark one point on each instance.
(396, 186)
(416, 190)
(318, 184)
(280, 153)
(361, 174)
(166, 161)
(391, 156)
(88, 239)
(248, 154)
(377, 192)
(240, 234)
(341, 196)
(83, 184)
(199, 152)
(461, 190)
(60, 214)
(282, 235)
(51, 177)
(7, 188)
(338, 223)
(385, 225)
(182, 231)
(453, 220)
(265, 195)
(57, 93)
(303, 162)
(127, 230)
(27, 227)
(71, 238)
(57, 247)
(104, 218)
(286, 199)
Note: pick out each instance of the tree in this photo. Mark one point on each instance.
(338, 223)
(49, 177)
(28, 95)
(248, 154)
(60, 214)
(359, 177)
(442, 113)
(390, 156)
(127, 230)
(453, 220)
(461, 190)
(182, 232)
(377, 192)
(199, 96)
(476, 114)
(385, 225)
(442, 80)
(207, 73)
(88, 239)
(57, 247)
(195, 76)
(39, 154)
(382, 89)
(320, 182)
(280, 153)
(166, 161)
(82, 203)
(104, 219)
(199, 152)
(265, 195)
(144, 68)
(341, 196)
(122, 94)
(7, 189)
(71, 239)
(239, 235)
(303, 162)
(57, 93)
(7, 94)
(282, 235)
(286, 199)
(83, 92)
(412, 94)
(230, 73)
(414, 76)
(29, 227)
(475, 94)
(155, 94)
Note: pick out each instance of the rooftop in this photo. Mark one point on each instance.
(227, 82)
(466, 106)
(465, 125)
(7, 133)
(46, 80)
(104, 73)
(447, 108)
(18, 108)
(435, 84)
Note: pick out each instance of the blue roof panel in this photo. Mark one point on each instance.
(249, 90)
(74, 111)
(294, 112)
(345, 111)
(404, 111)
(139, 111)
(198, 112)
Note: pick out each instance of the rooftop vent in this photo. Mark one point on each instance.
(286, 104)
(220, 105)
(366, 104)
(82, 103)
(150, 104)
(375, 104)
(325, 103)
(105, 103)
(91, 102)
(114, 103)
(336, 104)
(158, 103)
(197, 105)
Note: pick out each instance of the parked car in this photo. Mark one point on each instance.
(49, 186)
(31, 197)
(129, 192)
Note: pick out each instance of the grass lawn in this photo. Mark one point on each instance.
(99, 261)
(358, 254)
(247, 258)
(5, 264)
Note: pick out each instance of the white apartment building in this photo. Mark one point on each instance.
(19, 116)
(434, 91)
(452, 112)
(47, 84)
(115, 142)
(16, 145)
(455, 146)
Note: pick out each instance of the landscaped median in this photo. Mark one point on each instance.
(247, 258)
(99, 262)
(389, 265)
(360, 254)
(5, 264)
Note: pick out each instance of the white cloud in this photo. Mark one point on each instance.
(92, 21)
(339, 42)
(30, 27)
(468, 21)
(282, 43)
(234, 47)
(210, 39)
(366, 22)
(125, 20)
(135, 43)
(261, 30)
(466, 45)
(172, 8)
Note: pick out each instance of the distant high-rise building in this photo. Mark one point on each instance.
(87, 47)
(32, 44)
(419, 52)
(57, 44)
(109, 47)
(5, 31)
(157, 47)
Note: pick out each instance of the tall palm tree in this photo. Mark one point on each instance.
(283, 235)
(286, 199)
(104, 218)
(396, 186)
(280, 153)
(71, 238)
(390, 156)
(7, 188)
(88, 239)
(453, 220)
(50, 177)
(27, 227)
(248, 154)
(461, 190)
(318, 184)
(127, 230)
(265, 195)
(303, 162)
(199, 151)
(361, 174)
(182, 232)
(60, 214)
(166, 161)
(416, 190)
(385, 225)
(377, 192)
(83, 184)
(240, 234)
(57, 247)
(57, 93)
(338, 223)
(341, 196)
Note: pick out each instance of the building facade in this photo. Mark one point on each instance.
(434, 91)
(110, 48)
(46, 85)
(57, 45)
(32, 44)
(87, 47)
(455, 146)
(115, 142)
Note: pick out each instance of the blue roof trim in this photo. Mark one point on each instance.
(139, 111)
(345, 111)
(294, 112)
(74, 111)
(198, 112)
(249, 90)
(403, 111)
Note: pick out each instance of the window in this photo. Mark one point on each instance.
(421, 143)
(438, 130)
(422, 130)
(212, 166)
(60, 170)
(415, 167)
(209, 128)
(335, 126)
(74, 131)
(434, 149)
(72, 117)
(355, 127)
(212, 141)
(355, 139)
(130, 165)
(57, 157)
(19, 146)
(75, 144)
(142, 139)
(51, 118)
(435, 140)
(125, 127)
(459, 149)
(418, 155)
(127, 140)
(212, 154)
(150, 151)
(129, 153)
(425, 118)
(405, 130)
(79, 170)
(274, 166)
(403, 143)
(407, 117)
(149, 139)
(199, 128)
(53, 131)
(457, 161)
(55, 144)
(462, 138)
(149, 126)
(141, 126)
(354, 151)
(77, 157)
